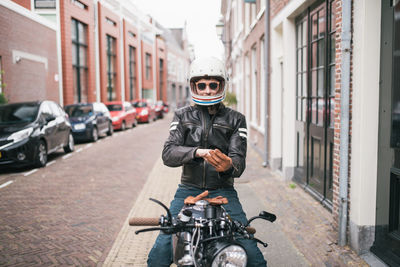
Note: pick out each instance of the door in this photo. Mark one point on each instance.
(387, 228)
(315, 49)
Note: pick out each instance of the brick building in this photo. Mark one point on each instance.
(28, 64)
(331, 98)
(107, 50)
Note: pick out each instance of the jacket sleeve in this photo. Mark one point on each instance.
(175, 153)
(238, 149)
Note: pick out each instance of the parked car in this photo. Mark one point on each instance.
(29, 131)
(89, 121)
(159, 109)
(122, 114)
(145, 112)
(166, 107)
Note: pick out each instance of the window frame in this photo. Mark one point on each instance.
(78, 66)
(111, 67)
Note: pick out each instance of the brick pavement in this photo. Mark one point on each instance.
(71, 212)
(301, 236)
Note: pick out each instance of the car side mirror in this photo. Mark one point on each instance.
(50, 118)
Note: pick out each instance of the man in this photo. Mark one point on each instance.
(209, 140)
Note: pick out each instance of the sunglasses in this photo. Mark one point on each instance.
(202, 86)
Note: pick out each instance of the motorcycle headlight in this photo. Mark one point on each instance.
(232, 255)
(144, 112)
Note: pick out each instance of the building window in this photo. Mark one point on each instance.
(254, 84)
(79, 61)
(45, 3)
(301, 70)
(161, 77)
(132, 72)
(111, 71)
(148, 66)
(1, 76)
(331, 64)
(262, 82)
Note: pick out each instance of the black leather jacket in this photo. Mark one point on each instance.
(193, 127)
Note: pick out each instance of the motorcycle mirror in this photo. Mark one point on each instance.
(162, 205)
(263, 215)
(267, 216)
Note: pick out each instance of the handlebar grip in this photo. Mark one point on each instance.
(251, 230)
(144, 221)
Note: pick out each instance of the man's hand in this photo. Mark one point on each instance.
(219, 160)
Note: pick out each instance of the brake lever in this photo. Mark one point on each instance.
(152, 229)
(261, 242)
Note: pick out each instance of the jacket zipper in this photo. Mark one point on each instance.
(222, 126)
(205, 146)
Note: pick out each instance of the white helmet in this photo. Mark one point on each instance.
(208, 67)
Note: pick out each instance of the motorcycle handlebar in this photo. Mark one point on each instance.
(144, 221)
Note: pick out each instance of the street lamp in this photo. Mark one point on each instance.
(220, 28)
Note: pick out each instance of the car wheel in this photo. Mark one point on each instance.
(110, 129)
(95, 134)
(41, 154)
(71, 144)
(123, 126)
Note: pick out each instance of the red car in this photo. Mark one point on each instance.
(122, 113)
(161, 108)
(145, 112)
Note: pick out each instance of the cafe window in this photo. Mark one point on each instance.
(79, 61)
(111, 68)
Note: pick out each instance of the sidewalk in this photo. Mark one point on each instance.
(301, 235)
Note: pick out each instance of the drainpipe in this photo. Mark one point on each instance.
(344, 120)
(97, 50)
(266, 59)
(59, 54)
(122, 53)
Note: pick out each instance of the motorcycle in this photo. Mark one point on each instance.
(203, 233)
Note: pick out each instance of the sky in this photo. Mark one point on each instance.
(201, 17)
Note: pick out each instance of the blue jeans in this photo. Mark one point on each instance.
(161, 253)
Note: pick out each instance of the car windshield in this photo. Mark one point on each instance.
(18, 113)
(114, 107)
(139, 104)
(79, 111)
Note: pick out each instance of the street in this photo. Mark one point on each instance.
(74, 211)
(70, 212)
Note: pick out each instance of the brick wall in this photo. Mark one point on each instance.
(24, 3)
(276, 6)
(27, 79)
(86, 16)
(147, 83)
(130, 39)
(161, 54)
(106, 28)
